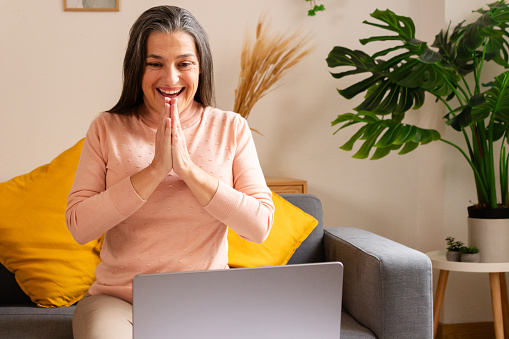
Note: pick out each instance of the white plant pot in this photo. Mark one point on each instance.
(491, 237)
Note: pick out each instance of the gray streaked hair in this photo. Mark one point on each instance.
(166, 19)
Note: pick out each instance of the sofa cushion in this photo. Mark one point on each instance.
(32, 322)
(35, 244)
(291, 227)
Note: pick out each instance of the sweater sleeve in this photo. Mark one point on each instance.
(93, 209)
(247, 207)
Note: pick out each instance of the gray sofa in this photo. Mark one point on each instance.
(387, 286)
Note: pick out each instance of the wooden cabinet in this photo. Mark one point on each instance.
(285, 185)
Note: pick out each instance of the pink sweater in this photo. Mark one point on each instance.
(170, 231)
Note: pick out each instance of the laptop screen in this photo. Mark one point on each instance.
(293, 301)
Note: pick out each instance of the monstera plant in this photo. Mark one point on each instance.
(451, 70)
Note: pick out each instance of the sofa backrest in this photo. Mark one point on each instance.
(311, 250)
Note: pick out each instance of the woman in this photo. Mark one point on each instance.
(162, 174)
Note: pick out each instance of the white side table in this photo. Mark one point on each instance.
(497, 282)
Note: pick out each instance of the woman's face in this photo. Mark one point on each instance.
(171, 70)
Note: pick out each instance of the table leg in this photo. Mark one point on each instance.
(439, 298)
(496, 300)
(505, 307)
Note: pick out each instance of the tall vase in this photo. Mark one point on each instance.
(489, 232)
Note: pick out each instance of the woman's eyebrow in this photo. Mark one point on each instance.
(154, 56)
(187, 55)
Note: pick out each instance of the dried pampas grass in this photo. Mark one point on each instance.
(264, 63)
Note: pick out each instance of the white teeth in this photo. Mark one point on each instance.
(169, 92)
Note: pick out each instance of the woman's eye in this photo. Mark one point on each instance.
(153, 64)
(186, 64)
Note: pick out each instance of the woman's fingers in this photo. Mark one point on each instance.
(181, 159)
(162, 155)
(165, 114)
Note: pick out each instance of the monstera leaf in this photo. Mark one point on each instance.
(383, 135)
(494, 102)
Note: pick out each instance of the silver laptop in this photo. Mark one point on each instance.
(294, 301)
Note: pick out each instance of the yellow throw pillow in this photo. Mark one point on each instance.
(35, 244)
(291, 227)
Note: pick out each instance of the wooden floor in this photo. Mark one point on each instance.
(484, 330)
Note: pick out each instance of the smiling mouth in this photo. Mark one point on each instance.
(170, 94)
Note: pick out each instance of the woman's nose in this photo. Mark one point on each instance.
(171, 74)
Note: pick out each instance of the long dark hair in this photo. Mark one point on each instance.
(167, 19)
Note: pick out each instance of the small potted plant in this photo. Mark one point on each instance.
(470, 254)
(453, 249)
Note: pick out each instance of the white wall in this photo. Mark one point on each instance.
(59, 69)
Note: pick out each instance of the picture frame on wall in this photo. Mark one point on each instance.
(91, 5)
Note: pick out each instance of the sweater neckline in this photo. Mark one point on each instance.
(187, 118)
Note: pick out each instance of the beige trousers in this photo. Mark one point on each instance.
(102, 316)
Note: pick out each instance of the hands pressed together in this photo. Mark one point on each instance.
(171, 154)
(170, 145)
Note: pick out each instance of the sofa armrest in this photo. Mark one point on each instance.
(387, 286)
